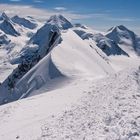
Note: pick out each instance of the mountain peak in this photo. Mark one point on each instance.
(57, 17)
(122, 27)
(124, 37)
(7, 26)
(60, 21)
(4, 16)
(118, 28)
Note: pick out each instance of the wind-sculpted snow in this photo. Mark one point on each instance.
(76, 57)
(38, 47)
(40, 75)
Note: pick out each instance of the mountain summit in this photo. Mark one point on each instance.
(118, 32)
(4, 16)
(126, 38)
(60, 21)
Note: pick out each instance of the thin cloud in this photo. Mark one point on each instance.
(43, 14)
(121, 19)
(60, 8)
(38, 1)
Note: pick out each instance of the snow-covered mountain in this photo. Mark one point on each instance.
(55, 49)
(24, 22)
(12, 44)
(7, 26)
(108, 46)
(60, 21)
(73, 71)
(126, 39)
(59, 47)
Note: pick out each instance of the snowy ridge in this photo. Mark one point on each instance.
(108, 46)
(24, 22)
(36, 78)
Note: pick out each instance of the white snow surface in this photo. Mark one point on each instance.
(85, 109)
(78, 58)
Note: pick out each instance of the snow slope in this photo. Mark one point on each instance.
(109, 110)
(85, 109)
(76, 57)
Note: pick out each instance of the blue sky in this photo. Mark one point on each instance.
(99, 14)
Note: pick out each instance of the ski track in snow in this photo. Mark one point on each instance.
(109, 111)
